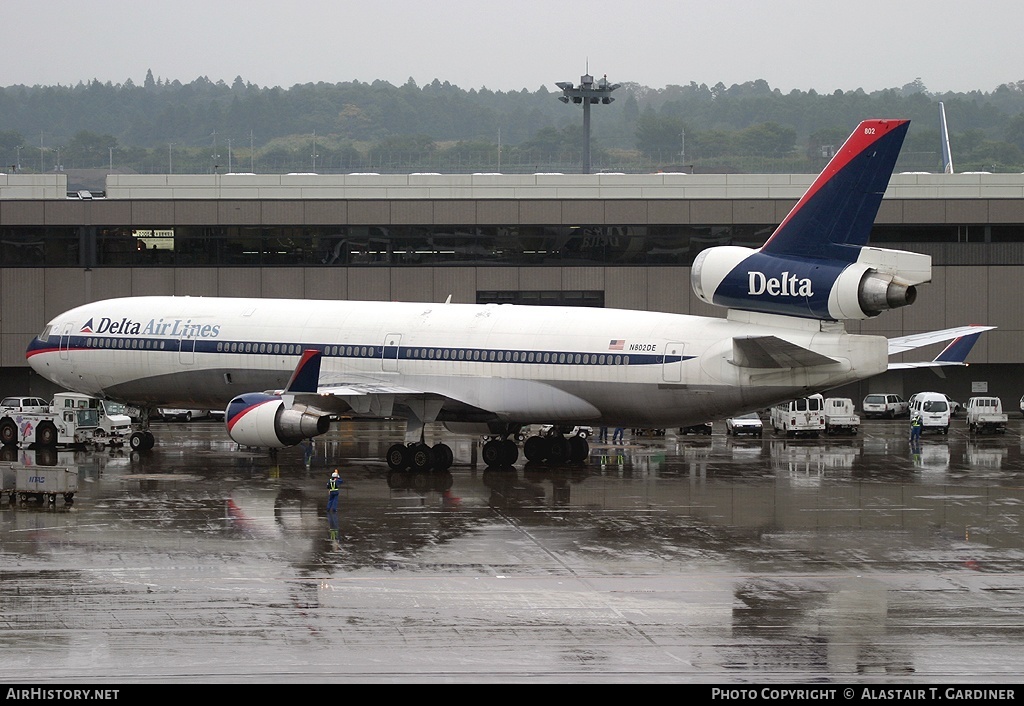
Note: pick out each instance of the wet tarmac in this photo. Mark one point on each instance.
(675, 559)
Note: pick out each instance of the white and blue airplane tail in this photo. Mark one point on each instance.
(817, 264)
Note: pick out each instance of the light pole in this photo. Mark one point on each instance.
(586, 94)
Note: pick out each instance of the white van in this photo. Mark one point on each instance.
(805, 415)
(933, 409)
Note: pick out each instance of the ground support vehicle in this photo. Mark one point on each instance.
(934, 411)
(566, 430)
(42, 484)
(637, 432)
(841, 416)
(985, 415)
(72, 419)
(704, 428)
(800, 417)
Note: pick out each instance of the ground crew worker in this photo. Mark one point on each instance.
(915, 428)
(333, 488)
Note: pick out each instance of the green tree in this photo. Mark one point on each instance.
(10, 141)
(659, 135)
(88, 150)
(767, 139)
(1015, 131)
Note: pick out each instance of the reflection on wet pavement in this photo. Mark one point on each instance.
(703, 559)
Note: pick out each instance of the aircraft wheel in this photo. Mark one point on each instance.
(536, 449)
(421, 459)
(444, 457)
(579, 449)
(150, 439)
(396, 457)
(137, 440)
(492, 453)
(508, 453)
(559, 450)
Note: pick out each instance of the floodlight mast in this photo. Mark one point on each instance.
(586, 94)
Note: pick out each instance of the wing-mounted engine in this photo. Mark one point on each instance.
(259, 419)
(828, 289)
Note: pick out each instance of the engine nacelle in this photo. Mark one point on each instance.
(259, 419)
(742, 278)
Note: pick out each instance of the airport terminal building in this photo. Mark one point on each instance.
(602, 240)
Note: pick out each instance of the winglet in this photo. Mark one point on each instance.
(306, 377)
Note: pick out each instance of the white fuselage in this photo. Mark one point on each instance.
(502, 362)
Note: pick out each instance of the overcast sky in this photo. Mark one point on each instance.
(514, 44)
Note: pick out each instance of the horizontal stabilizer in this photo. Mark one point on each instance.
(953, 354)
(902, 344)
(774, 352)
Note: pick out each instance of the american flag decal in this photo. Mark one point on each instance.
(616, 344)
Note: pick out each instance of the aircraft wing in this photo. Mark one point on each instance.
(361, 398)
(964, 338)
(480, 400)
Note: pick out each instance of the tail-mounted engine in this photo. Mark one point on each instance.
(827, 289)
(259, 419)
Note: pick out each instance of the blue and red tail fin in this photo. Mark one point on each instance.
(834, 217)
(306, 377)
(818, 264)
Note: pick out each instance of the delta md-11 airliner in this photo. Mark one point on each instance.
(282, 369)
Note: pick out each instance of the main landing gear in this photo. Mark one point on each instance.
(557, 448)
(420, 456)
(499, 451)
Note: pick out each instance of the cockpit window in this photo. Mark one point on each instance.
(45, 335)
